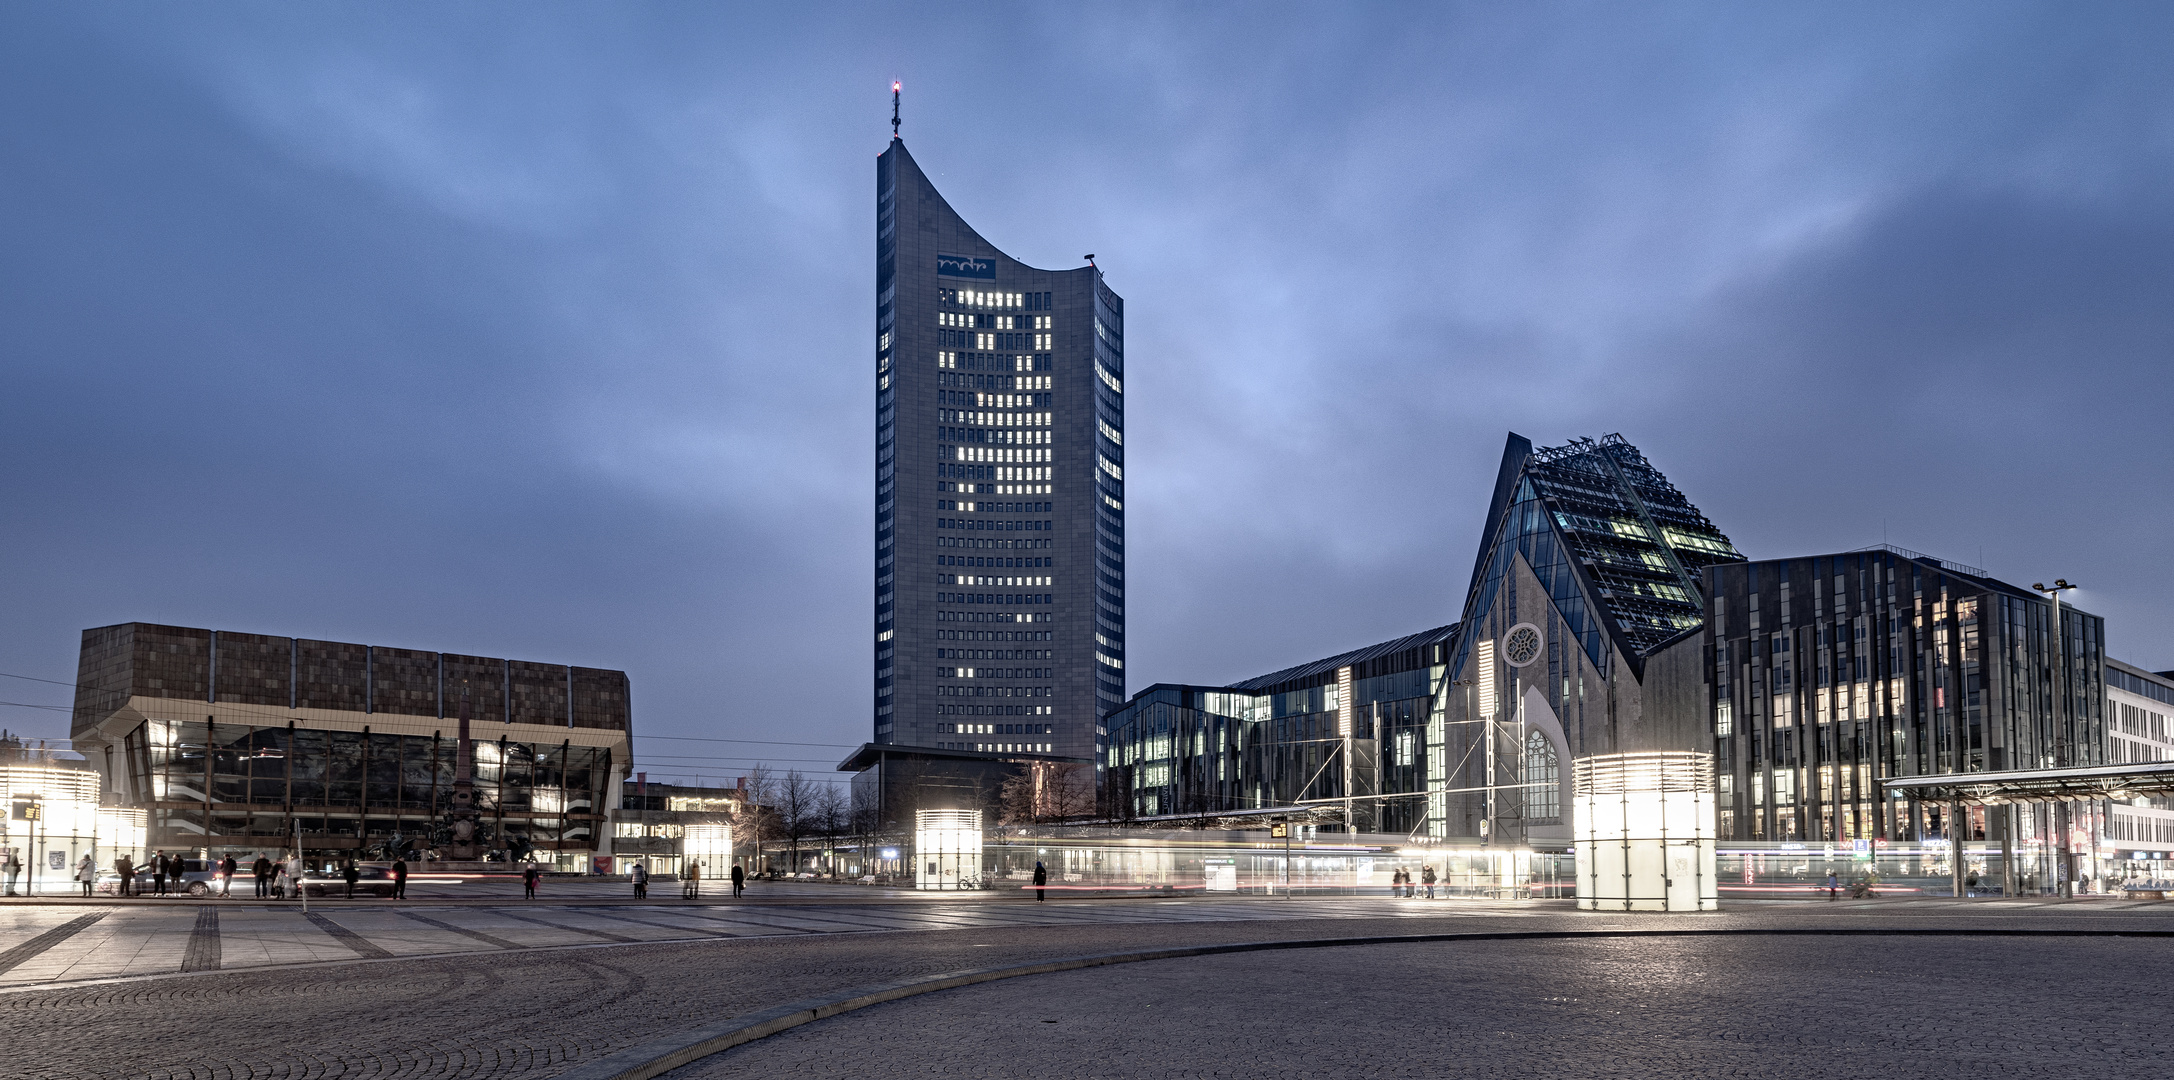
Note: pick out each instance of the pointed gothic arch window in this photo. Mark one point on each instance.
(1543, 780)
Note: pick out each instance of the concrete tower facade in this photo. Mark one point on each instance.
(1000, 535)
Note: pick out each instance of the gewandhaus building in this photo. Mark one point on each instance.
(234, 742)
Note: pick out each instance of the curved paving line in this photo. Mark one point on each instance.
(660, 1056)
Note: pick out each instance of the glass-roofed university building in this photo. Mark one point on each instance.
(1613, 642)
(1589, 567)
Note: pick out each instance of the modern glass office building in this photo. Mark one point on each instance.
(1832, 673)
(234, 741)
(1000, 495)
(1358, 725)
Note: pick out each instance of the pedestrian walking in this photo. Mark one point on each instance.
(641, 881)
(1041, 878)
(1426, 877)
(400, 878)
(1834, 886)
(351, 874)
(87, 873)
(529, 877)
(127, 869)
(262, 868)
(692, 887)
(228, 867)
(12, 865)
(739, 879)
(293, 870)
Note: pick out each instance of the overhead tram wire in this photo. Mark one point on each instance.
(274, 712)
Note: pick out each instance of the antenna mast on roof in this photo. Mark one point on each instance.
(894, 109)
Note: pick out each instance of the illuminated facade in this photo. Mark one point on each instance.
(1000, 528)
(1360, 725)
(54, 818)
(666, 826)
(232, 741)
(1830, 674)
(2139, 835)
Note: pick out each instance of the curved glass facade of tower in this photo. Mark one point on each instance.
(1000, 490)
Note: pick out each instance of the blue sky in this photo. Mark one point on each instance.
(541, 330)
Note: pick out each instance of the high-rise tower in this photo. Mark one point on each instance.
(1000, 490)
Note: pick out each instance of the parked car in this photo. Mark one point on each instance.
(371, 881)
(196, 880)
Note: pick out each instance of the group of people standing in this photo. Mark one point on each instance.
(690, 882)
(1400, 883)
(281, 879)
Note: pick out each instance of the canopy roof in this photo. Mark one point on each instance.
(2034, 785)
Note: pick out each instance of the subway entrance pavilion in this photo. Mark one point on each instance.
(232, 742)
(1631, 710)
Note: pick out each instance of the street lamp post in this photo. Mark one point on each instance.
(2060, 741)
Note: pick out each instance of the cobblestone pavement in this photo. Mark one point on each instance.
(1769, 1007)
(67, 943)
(500, 1011)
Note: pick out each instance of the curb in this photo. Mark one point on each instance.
(659, 1056)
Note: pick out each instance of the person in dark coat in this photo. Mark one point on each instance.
(739, 879)
(529, 877)
(1426, 877)
(400, 878)
(228, 867)
(157, 866)
(351, 874)
(262, 868)
(1041, 879)
(125, 867)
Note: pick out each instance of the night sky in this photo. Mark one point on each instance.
(546, 331)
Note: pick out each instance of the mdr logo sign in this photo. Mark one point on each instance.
(966, 266)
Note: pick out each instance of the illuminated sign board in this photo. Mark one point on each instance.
(966, 266)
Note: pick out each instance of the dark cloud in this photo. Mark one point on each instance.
(537, 331)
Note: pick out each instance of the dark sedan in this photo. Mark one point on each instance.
(369, 881)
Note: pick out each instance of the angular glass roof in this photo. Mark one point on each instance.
(1618, 549)
(1640, 542)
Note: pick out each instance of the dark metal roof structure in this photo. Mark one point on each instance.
(1354, 658)
(2040, 785)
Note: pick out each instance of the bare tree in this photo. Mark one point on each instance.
(754, 820)
(1046, 791)
(1017, 800)
(831, 820)
(1068, 791)
(866, 823)
(796, 806)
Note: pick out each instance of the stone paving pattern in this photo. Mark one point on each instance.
(489, 1011)
(175, 936)
(1764, 1007)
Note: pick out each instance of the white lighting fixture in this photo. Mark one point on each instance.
(1644, 832)
(946, 849)
(1484, 657)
